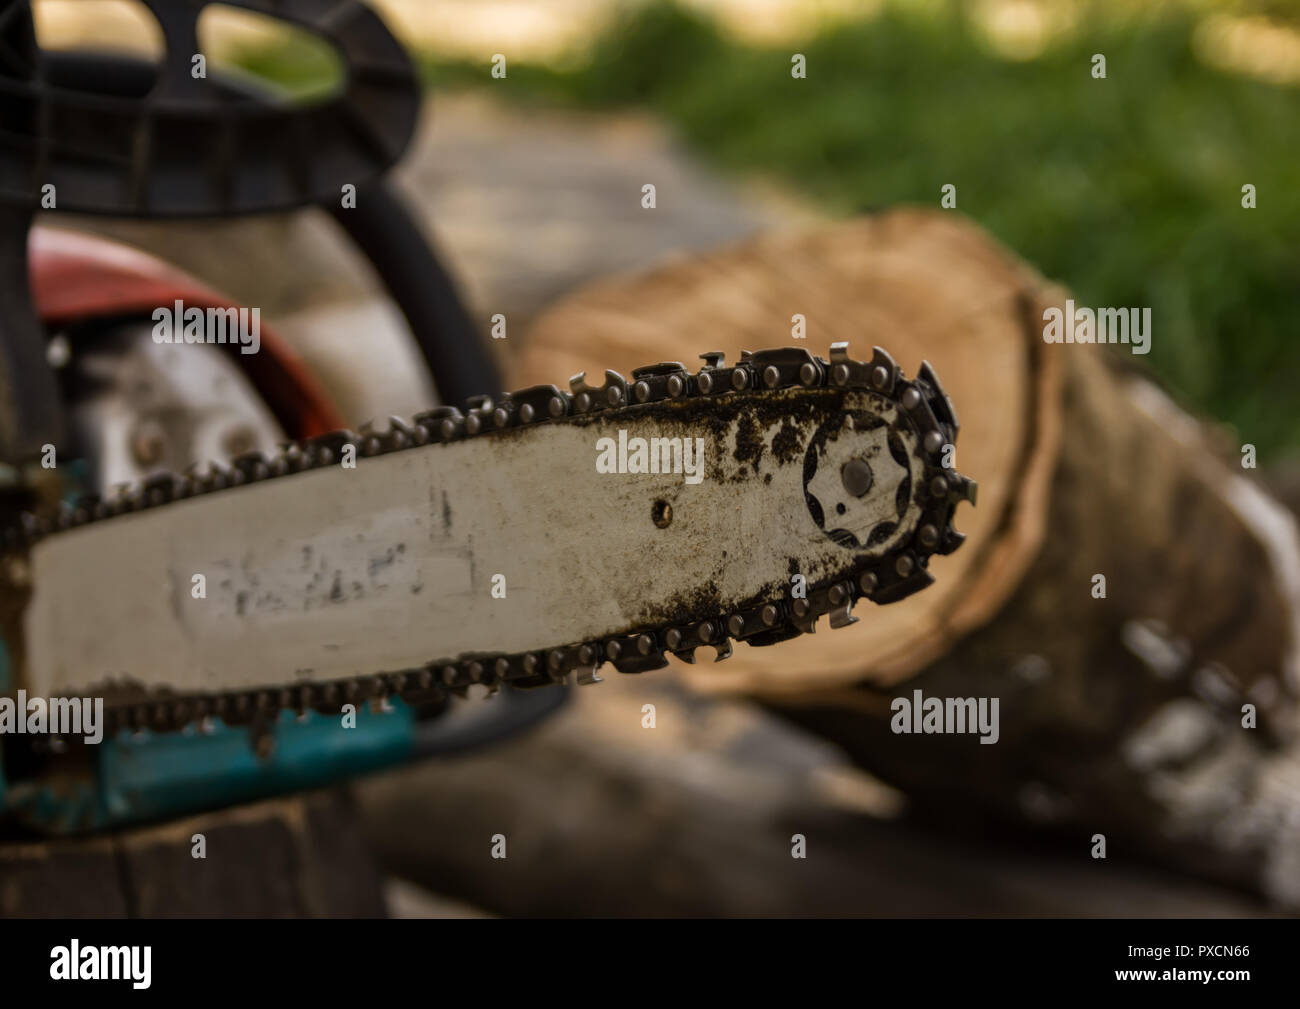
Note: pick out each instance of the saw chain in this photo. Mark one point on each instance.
(891, 565)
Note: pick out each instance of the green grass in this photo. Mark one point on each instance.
(305, 70)
(1127, 189)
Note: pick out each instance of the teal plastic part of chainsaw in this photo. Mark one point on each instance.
(138, 777)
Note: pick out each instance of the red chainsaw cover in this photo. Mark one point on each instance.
(77, 278)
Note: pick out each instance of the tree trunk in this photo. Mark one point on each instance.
(1125, 707)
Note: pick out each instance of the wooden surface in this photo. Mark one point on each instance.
(301, 856)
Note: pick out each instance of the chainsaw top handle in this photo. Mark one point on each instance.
(188, 144)
(115, 135)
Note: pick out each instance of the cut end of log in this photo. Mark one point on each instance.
(926, 286)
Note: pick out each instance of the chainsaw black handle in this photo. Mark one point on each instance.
(112, 165)
(187, 147)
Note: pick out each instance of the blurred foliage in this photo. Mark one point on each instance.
(304, 70)
(1126, 189)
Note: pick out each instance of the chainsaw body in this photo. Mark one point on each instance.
(219, 150)
(252, 598)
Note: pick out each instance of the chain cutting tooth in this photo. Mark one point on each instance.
(939, 401)
(588, 398)
(251, 466)
(147, 492)
(787, 366)
(400, 435)
(804, 613)
(328, 449)
(712, 633)
(881, 374)
(656, 382)
(635, 653)
(478, 415)
(279, 464)
(537, 403)
(716, 379)
(710, 378)
(287, 458)
(443, 423)
(126, 499)
(220, 477)
(840, 597)
(678, 641)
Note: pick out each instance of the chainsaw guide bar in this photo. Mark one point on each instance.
(624, 522)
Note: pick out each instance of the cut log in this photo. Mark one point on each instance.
(1127, 713)
(919, 290)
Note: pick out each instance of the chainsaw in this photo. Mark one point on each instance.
(314, 605)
